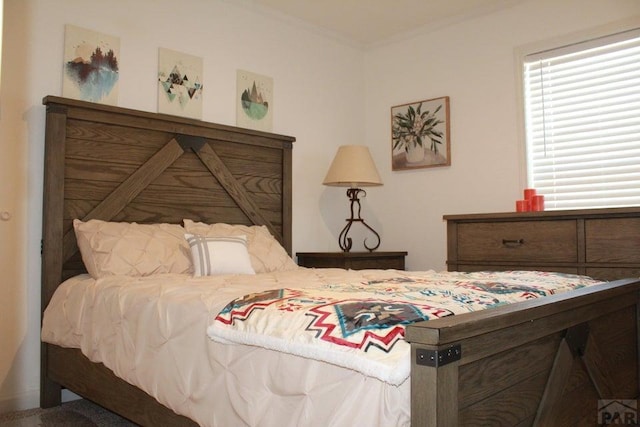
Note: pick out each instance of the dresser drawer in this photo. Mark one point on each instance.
(518, 241)
(613, 240)
(353, 260)
(612, 273)
(496, 267)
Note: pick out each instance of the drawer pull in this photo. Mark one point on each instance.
(513, 242)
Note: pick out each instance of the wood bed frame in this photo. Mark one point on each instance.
(542, 362)
(116, 164)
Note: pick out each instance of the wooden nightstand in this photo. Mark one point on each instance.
(352, 260)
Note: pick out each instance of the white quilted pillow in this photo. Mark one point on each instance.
(123, 248)
(219, 255)
(266, 253)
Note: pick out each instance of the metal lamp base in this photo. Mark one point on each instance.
(346, 242)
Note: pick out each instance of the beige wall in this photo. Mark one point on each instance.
(474, 63)
(327, 93)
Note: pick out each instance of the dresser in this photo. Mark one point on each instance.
(352, 260)
(602, 243)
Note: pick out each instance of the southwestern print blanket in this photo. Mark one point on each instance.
(361, 325)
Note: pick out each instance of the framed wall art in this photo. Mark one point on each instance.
(254, 101)
(179, 84)
(91, 68)
(420, 134)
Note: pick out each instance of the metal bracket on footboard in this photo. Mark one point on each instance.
(436, 358)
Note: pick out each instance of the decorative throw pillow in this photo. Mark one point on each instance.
(266, 253)
(219, 255)
(128, 248)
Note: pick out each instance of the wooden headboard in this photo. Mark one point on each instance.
(117, 164)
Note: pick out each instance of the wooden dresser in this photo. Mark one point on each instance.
(602, 243)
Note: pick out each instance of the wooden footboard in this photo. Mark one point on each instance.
(554, 361)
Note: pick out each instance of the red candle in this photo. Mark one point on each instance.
(522, 205)
(529, 193)
(537, 203)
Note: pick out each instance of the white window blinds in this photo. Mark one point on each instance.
(582, 112)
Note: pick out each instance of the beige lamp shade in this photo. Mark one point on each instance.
(352, 167)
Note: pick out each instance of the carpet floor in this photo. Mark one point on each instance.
(77, 413)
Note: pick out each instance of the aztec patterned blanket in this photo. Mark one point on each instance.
(361, 325)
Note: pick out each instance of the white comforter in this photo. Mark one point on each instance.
(151, 331)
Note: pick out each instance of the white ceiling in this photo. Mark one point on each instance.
(372, 21)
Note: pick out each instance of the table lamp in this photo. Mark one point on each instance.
(353, 167)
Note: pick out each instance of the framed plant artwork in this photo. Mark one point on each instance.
(420, 134)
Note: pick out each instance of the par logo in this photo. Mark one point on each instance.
(618, 412)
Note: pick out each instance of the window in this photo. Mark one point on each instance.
(582, 118)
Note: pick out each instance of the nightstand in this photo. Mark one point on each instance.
(352, 260)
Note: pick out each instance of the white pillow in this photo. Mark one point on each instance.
(127, 248)
(265, 252)
(219, 255)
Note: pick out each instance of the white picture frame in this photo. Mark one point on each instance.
(91, 66)
(180, 87)
(254, 101)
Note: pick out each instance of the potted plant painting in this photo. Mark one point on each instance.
(420, 134)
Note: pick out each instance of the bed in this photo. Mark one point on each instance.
(543, 361)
